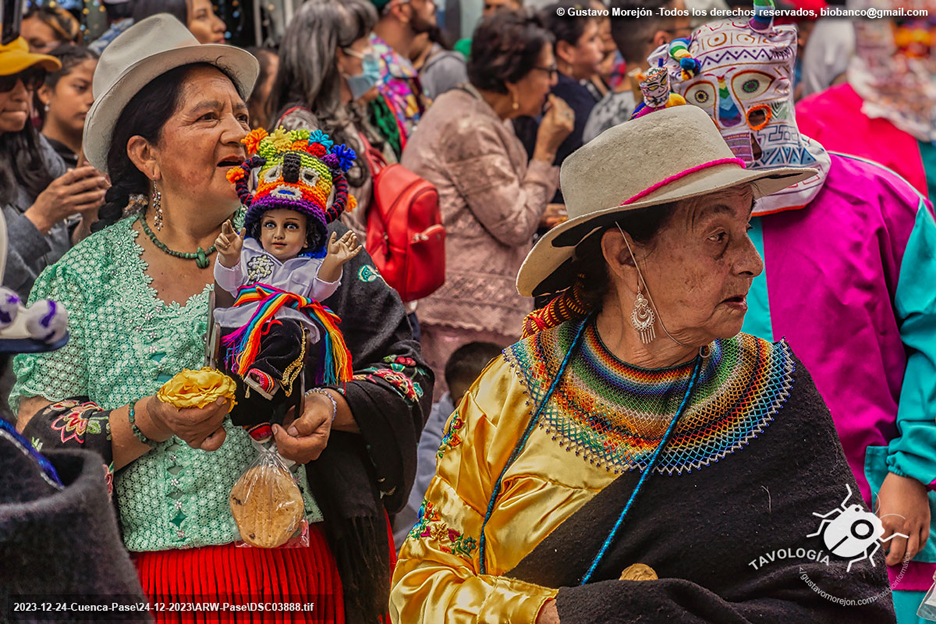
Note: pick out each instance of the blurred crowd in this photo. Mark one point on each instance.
(485, 122)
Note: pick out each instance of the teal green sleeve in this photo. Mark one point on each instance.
(913, 452)
(58, 374)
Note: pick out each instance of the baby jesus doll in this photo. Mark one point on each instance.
(279, 269)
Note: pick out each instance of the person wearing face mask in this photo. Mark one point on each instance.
(327, 72)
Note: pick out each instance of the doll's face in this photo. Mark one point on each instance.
(283, 233)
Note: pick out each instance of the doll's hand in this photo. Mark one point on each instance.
(344, 248)
(229, 244)
(339, 252)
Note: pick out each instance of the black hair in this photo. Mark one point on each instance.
(467, 362)
(505, 47)
(589, 267)
(22, 164)
(632, 35)
(260, 110)
(178, 9)
(144, 115)
(119, 11)
(316, 233)
(561, 25)
(69, 55)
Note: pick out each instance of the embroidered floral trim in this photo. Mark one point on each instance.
(410, 390)
(429, 525)
(79, 419)
(451, 439)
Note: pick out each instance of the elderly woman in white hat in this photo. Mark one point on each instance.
(635, 457)
(168, 120)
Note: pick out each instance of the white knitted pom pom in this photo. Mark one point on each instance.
(47, 321)
(9, 307)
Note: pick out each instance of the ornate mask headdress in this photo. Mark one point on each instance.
(741, 74)
(296, 170)
(893, 69)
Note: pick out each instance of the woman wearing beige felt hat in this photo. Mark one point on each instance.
(167, 123)
(635, 457)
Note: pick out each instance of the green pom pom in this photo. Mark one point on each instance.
(266, 148)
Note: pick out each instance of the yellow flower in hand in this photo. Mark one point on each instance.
(197, 388)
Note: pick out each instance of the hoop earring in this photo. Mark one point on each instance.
(157, 209)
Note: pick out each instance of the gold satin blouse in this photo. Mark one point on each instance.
(566, 460)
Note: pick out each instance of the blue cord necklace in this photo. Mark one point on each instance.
(518, 448)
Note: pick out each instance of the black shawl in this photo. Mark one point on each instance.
(704, 534)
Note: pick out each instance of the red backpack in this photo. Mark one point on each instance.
(405, 236)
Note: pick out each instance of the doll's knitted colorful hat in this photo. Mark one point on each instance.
(298, 170)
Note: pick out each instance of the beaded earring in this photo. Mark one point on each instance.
(157, 209)
(516, 104)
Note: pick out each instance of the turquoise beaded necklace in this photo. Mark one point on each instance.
(200, 256)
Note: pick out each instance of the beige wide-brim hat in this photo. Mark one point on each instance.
(662, 157)
(141, 53)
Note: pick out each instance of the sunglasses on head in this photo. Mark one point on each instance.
(32, 79)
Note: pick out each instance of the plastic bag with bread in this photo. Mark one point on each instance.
(266, 501)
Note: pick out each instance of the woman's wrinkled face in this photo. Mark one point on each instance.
(202, 139)
(701, 266)
(203, 23)
(283, 233)
(70, 100)
(532, 89)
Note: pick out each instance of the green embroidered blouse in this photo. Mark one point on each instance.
(125, 343)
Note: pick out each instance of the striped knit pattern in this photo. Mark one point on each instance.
(614, 415)
(244, 344)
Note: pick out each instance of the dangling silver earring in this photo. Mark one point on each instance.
(642, 318)
(157, 209)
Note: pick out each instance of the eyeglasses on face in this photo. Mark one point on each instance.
(552, 71)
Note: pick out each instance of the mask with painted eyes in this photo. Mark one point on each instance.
(894, 70)
(742, 76)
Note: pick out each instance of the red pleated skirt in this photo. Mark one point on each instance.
(237, 584)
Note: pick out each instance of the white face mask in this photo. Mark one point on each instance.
(370, 75)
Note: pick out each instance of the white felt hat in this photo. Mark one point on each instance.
(141, 53)
(666, 156)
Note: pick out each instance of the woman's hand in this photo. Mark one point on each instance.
(229, 245)
(199, 427)
(549, 614)
(556, 125)
(302, 440)
(904, 508)
(80, 190)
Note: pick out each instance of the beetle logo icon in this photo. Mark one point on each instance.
(852, 532)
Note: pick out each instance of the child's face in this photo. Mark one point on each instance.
(283, 233)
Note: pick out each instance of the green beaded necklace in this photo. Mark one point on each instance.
(200, 256)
